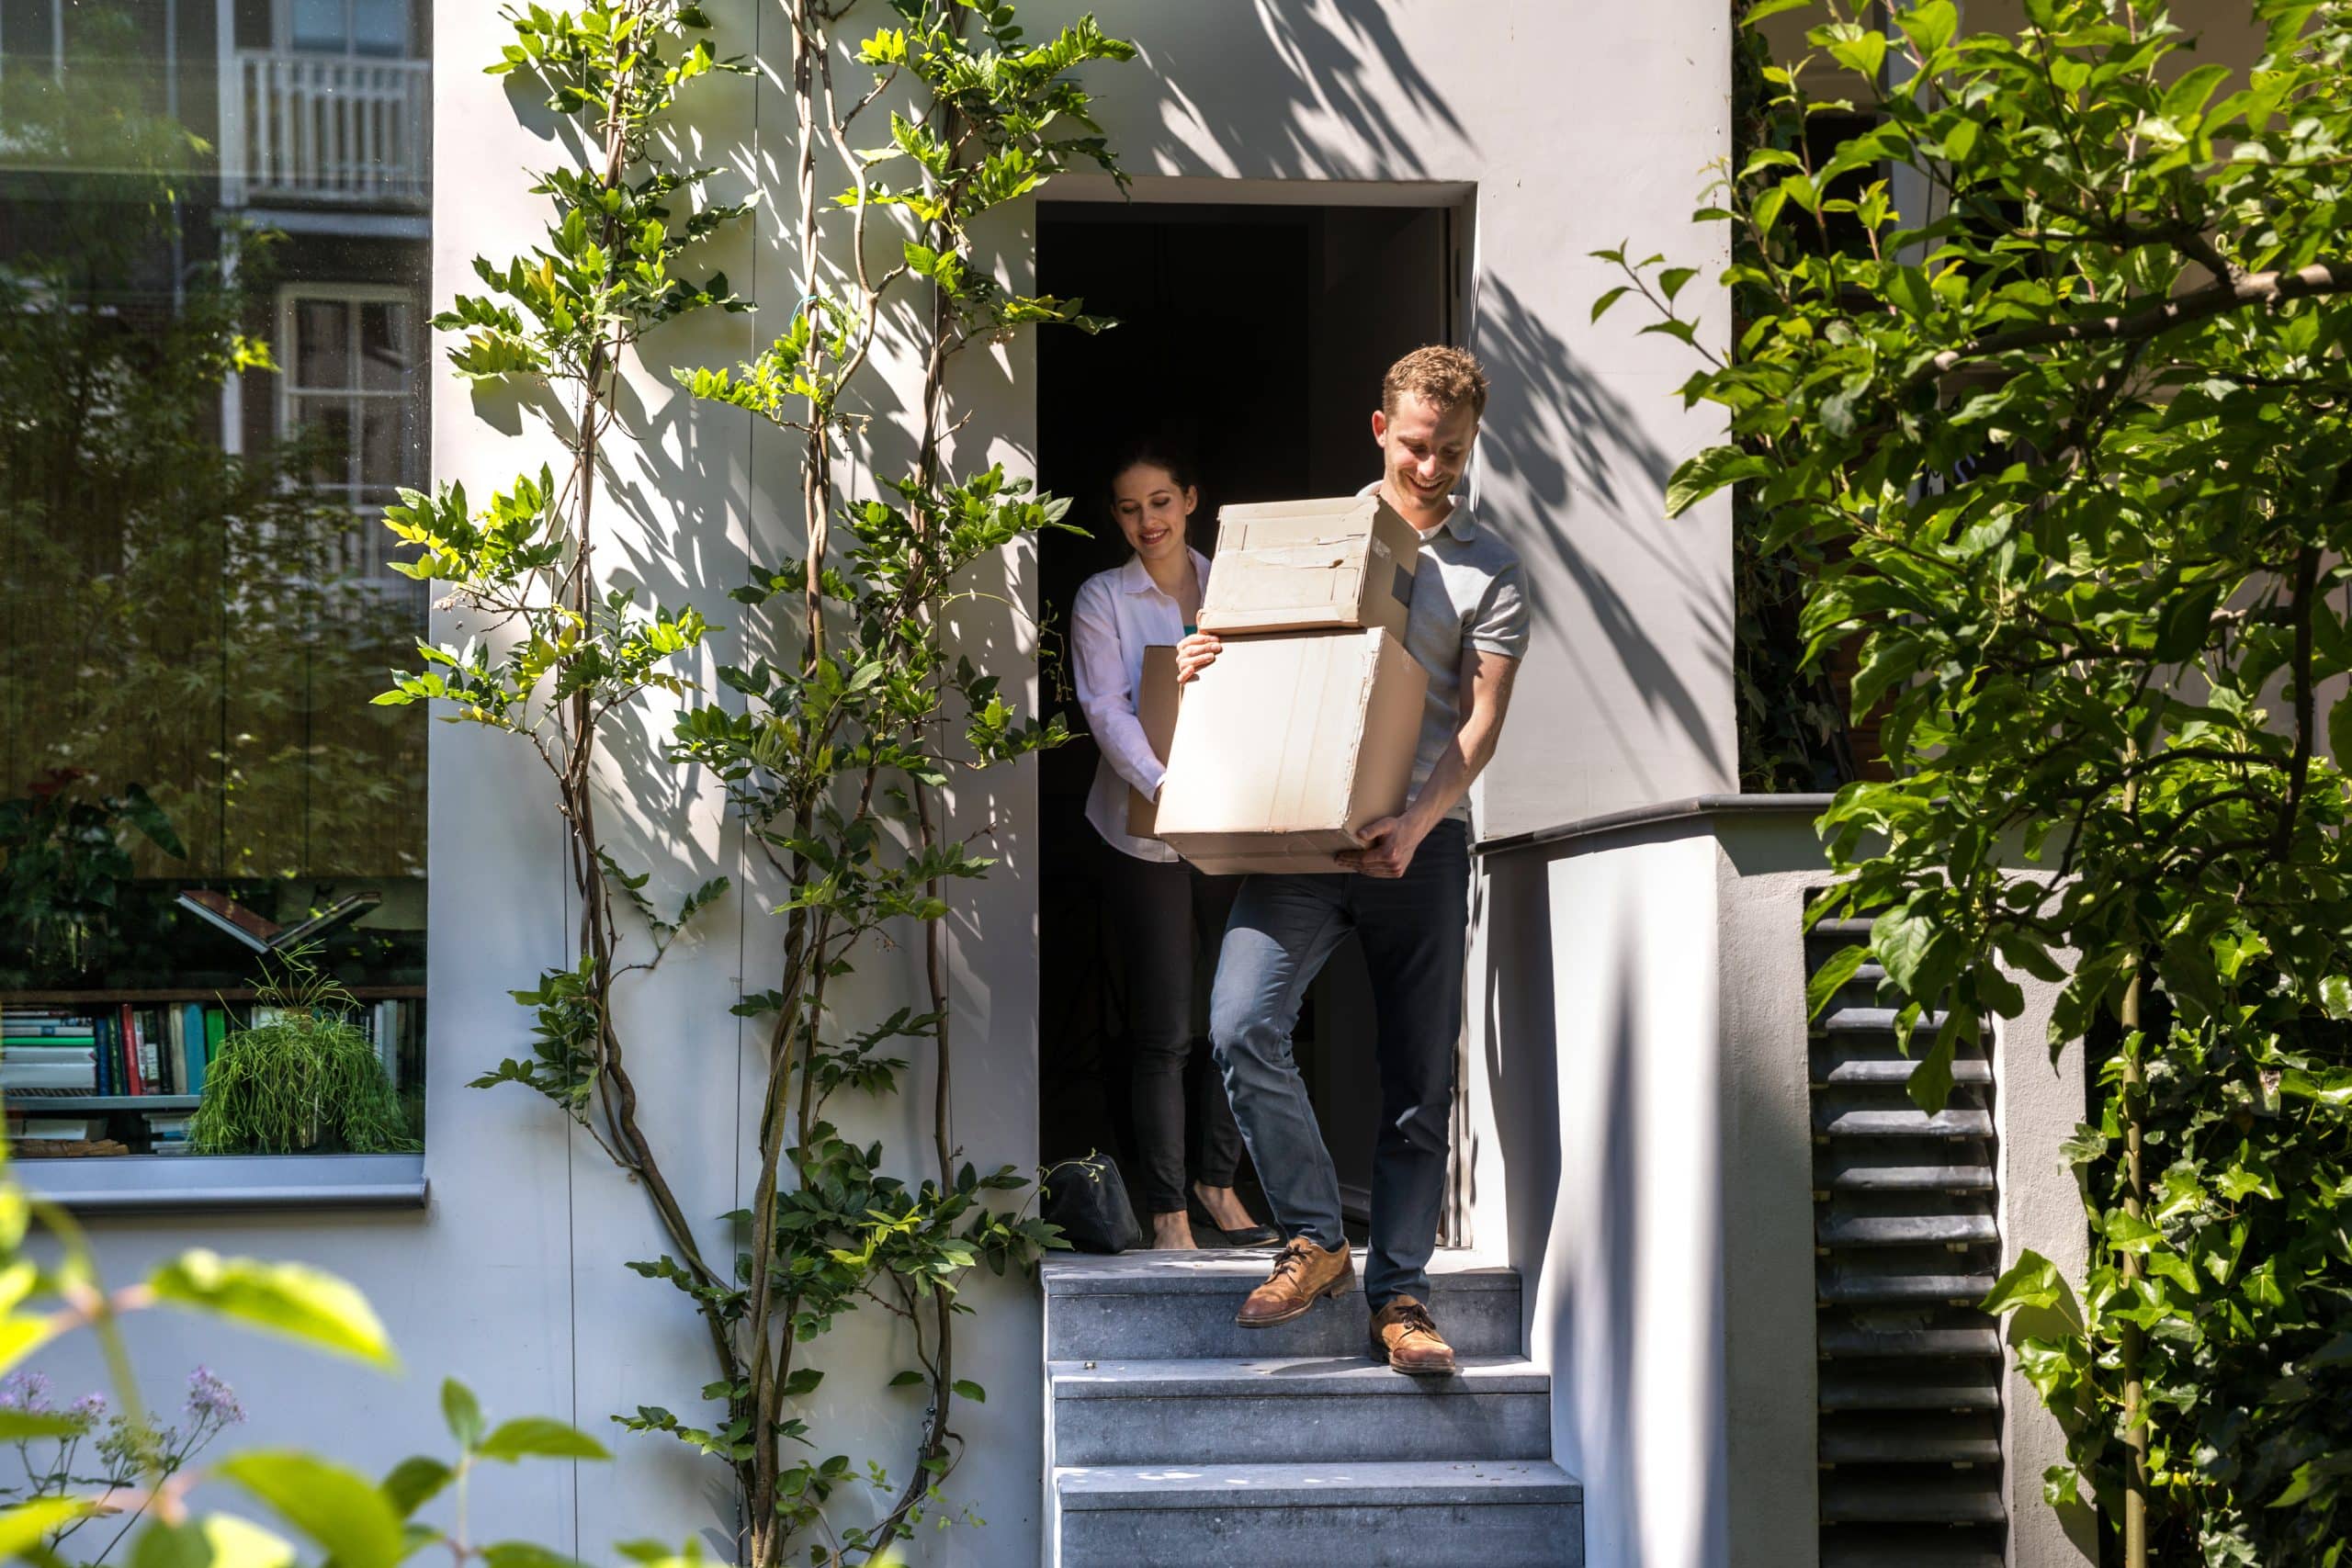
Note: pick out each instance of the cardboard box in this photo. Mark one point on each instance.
(1310, 566)
(1287, 745)
(1156, 709)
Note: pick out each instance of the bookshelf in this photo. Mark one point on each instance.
(152, 996)
(99, 1073)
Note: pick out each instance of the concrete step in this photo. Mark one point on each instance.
(1179, 1306)
(1312, 1409)
(1857, 1231)
(1491, 1514)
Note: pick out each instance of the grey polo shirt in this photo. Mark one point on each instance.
(1467, 593)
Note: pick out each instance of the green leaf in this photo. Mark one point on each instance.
(523, 1554)
(537, 1436)
(2188, 96)
(2031, 1281)
(26, 1525)
(2127, 1231)
(287, 1299)
(2188, 616)
(2336, 996)
(1929, 1085)
(966, 1389)
(415, 1481)
(337, 1509)
(1763, 8)
(1862, 55)
(462, 1414)
(18, 1425)
(1671, 279)
(161, 1545)
(1600, 306)
(2339, 731)
(1709, 472)
(906, 1379)
(1930, 26)
(1831, 977)
(241, 1543)
(1904, 943)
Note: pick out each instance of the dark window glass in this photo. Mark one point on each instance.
(213, 383)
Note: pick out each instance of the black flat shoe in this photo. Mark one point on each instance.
(1255, 1235)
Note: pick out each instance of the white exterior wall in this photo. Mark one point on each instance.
(1624, 1255)
(1573, 128)
(1576, 126)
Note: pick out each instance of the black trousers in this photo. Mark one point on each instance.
(1166, 915)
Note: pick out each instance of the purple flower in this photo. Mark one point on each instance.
(209, 1399)
(25, 1390)
(90, 1409)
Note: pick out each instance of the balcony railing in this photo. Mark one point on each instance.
(330, 128)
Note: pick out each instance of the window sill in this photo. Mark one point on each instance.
(130, 1184)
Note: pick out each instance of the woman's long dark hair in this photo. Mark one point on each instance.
(1154, 449)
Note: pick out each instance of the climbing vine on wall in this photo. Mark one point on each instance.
(849, 724)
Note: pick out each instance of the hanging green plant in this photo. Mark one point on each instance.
(305, 1078)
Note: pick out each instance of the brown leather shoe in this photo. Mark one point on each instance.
(1304, 1274)
(1402, 1336)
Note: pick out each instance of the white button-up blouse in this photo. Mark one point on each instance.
(1119, 614)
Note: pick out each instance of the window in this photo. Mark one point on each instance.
(195, 609)
(379, 28)
(349, 396)
(350, 362)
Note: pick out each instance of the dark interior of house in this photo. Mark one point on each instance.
(1254, 338)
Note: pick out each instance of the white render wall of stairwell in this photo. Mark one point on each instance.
(1629, 1294)
(1176, 1439)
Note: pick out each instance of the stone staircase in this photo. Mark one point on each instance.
(1177, 1438)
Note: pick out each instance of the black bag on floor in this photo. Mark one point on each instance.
(1087, 1200)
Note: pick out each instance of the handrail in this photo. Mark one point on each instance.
(1687, 808)
(331, 128)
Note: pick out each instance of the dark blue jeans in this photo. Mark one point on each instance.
(1413, 928)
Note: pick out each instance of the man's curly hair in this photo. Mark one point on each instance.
(1442, 377)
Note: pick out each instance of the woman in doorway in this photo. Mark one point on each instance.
(1161, 908)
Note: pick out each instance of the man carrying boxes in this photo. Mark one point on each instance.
(1327, 705)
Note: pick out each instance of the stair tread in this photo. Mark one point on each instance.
(1907, 1506)
(1922, 1446)
(1904, 1124)
(1844, 1020)
(1913, 1178)
(1898, 1070)
(1211, 1377)
(1848, 1340)
(1903, 1230)
(1218, 1270)
(1418, 1483)
(1839, 1396)
(1908, 1554)
(1965, 1288)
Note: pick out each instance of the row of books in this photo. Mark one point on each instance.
(130, 1050)
(125, 1050)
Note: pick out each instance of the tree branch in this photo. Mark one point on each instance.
(2219, 298)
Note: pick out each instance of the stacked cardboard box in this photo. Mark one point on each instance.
(1302, 732)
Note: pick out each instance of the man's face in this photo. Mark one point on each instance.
(1423, 453)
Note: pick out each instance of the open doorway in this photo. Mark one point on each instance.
(1253, 336)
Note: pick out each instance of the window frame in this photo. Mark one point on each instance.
(290, 392)
(281, 34)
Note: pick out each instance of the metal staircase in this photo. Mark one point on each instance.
(1177, 1439)
(1906, 1244)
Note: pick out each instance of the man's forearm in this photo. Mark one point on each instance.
(1450, 780)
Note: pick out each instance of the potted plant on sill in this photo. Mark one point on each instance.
(301, 1077)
